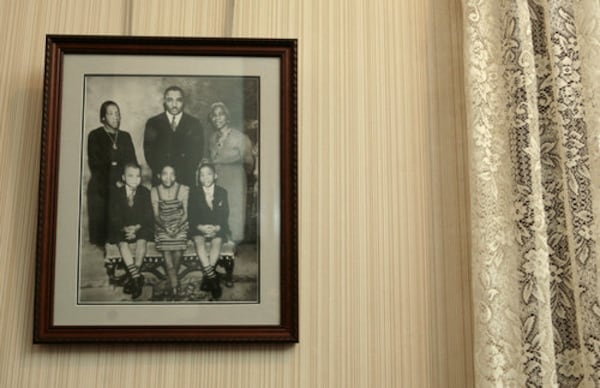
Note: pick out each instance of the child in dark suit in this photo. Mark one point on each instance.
(208, 214)
(131, 221)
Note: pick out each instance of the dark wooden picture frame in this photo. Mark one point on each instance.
(59, 137)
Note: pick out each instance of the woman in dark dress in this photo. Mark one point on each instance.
(109, 149)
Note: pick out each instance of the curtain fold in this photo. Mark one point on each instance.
(533, 112)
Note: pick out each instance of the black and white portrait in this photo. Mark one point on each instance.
(169, 201)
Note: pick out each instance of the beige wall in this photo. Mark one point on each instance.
(384, 292)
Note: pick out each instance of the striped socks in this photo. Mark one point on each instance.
(209, 271)
(211, 282)
(133, 271)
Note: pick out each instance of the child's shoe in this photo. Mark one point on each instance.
(138, 287)
(205, 285)
(215, 288)
(129, 285)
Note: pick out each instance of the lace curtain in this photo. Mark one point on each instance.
(533, 87)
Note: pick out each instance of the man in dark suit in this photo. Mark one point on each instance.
(175, 138)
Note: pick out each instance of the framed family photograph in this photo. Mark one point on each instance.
(168, 191)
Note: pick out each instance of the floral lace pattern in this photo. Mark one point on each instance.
(533, 73)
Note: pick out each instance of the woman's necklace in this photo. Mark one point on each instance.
(112, 140)
(221, 137)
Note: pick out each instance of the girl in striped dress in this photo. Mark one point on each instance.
(170, 204)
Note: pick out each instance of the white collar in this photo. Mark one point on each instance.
(177, 117)
(209, 189)
(129, 191)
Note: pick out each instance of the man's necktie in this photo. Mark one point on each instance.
(130, 199)
(173, 124)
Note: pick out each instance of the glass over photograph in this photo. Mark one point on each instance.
(169, 201)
